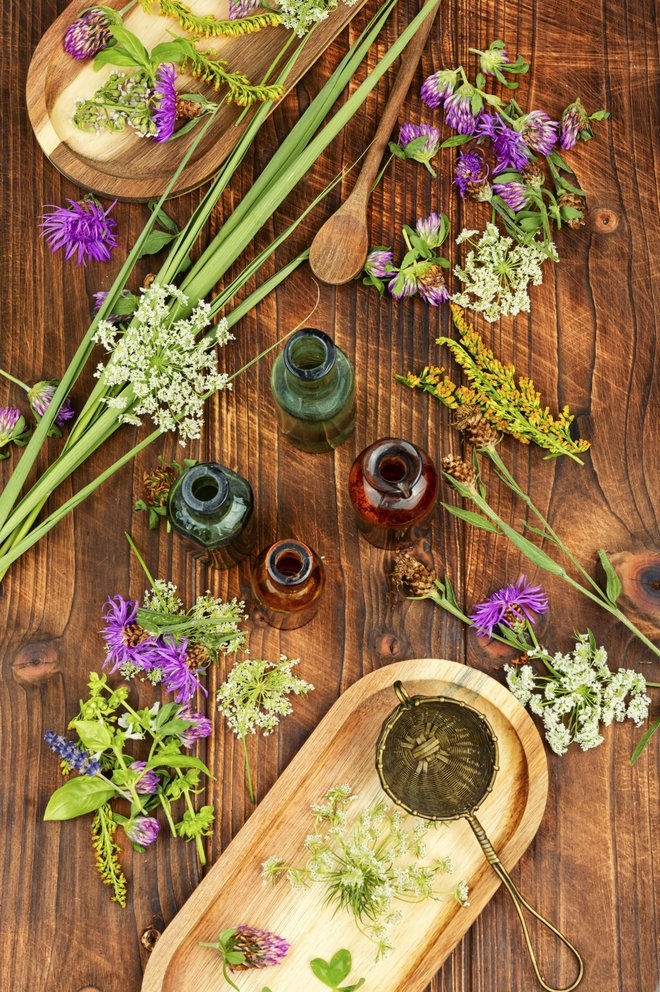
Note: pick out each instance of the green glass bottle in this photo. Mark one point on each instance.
(314, 388)
(213, 508)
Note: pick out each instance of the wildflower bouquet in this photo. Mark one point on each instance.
(369, 866)
(156, 778)
(576, 694)
(170, 387)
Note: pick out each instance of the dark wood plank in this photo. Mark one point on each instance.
(589, 342)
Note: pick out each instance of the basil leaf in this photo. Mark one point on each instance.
(170, 51)
(613, 587)
(132, 45)
(155, 242)
(94, 735)
(114, 56)
(78, 796)
(456, 139)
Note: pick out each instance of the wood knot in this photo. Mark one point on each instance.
(639, 574)
(389, 646)
(35, 662)
(89, 988)
(258, 618)
(605, 221)
(150, 937)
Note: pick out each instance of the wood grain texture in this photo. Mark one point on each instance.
(121, 164)
(589, 341)
(343, 749)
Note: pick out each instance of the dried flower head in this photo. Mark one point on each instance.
(410, 574)
(475, 428)
(471, 172)
(460, 470)
(83, 228)
(538, 131)
(157, 483)
(578, 693)
(576, 207)
(242, 948)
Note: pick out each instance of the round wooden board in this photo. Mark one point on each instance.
(120, 164)
(342, 749)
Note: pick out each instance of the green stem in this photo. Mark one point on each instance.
(201, 854)
(16, 381)
(146, 571)
(247, 770)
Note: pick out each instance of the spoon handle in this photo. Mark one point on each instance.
(409, 62)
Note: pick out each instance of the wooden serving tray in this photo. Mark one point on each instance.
(342, 749)
(121, 164)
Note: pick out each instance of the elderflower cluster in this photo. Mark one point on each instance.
(366, 868)
(578, 694)
(301, 15)
(256, 693)
(497, 272)
(169, 371)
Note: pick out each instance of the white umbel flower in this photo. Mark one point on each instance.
(169, 367)
(497, 273)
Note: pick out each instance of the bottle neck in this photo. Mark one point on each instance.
(310, 360)
(289, 565)
(393, 467)
(205, 491)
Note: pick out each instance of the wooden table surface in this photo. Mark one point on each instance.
(589, 342)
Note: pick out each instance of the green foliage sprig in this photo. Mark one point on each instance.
(210, 26)
(208, 66)
(107, 851)
(334, 971)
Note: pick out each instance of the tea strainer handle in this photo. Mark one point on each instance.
(521, 903)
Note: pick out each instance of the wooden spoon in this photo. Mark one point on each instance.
(339, 250)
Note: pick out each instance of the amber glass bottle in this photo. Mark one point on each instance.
(213, 507)
(314, 388)
(393, 486)
(287, 581)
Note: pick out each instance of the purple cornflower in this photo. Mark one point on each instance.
(241, 8)
(509, 605)
(40, 396)
(74, 756)
(380, 263)
(260, 948)
(432, 229)
(431, 286)
(509, 146)
(125, 641)
(458, 114)
(200, 727)
(142, 830)
(178, 677)
(573, 120)
(88, 35)
(538, 131)
(83, 227)
(437, 87)
(164, 115)
(471, 171)
(514, 194)
(149, 782)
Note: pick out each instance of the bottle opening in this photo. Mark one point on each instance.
(289, 563)
(309, 354)
(205, 487)
(393, 466)
(393, 469)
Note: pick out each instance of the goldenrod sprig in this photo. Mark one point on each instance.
(510, 403)
(209, 26)
(212, 69)
(106, 850)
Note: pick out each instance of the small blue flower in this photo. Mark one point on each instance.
(75, 757)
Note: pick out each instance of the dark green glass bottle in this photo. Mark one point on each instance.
(214, 508)
(314, 388)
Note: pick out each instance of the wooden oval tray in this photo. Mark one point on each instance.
(342, 749)
(121, 164)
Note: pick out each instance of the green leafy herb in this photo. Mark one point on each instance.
(334, 971)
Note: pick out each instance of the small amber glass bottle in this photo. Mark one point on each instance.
(287, 581)
(314, 388)
(393, 486)
(214, 508)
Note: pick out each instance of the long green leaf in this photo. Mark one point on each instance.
(613, 587)
(646, 737)
(475, 519)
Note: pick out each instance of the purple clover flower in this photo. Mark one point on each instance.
(260, 948)
(409, 132)
(124, 641)
(539, 131)
(509, 146)
(200, 727)
(431, 286)
(510, 604)
(149, 782)
(492, 59)
(99, 299)
(74, 756)
(164, 96)
(178, 677)
(432, 229)
(573, 120)
(471, 169)
(40, 396)
(241, 8)
(437, 87)
(380, 263)
(514, 194)
(83, 227)
(142, 830)
(88, 35)
(403, 284)
(12, 427)
(458, 114)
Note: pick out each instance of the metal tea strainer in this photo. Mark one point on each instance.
(437, 758)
